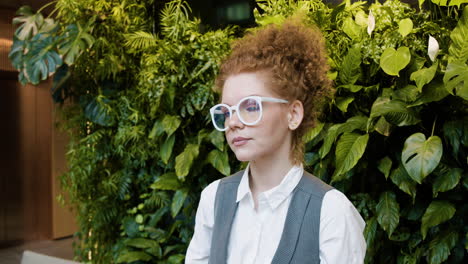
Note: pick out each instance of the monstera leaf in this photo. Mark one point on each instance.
(44, 59)
(456, 79)
(36, 59)
(30, 23)
(458, 49)
(74, 41)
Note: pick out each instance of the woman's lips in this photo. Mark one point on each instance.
(240, 141)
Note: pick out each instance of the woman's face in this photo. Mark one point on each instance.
(268, 139)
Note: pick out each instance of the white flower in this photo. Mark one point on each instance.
(370, 23)
(433, 48)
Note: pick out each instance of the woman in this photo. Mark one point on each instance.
(272, 87)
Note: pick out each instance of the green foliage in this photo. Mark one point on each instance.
(407, 107)
(420, 156)
(393, 61)
(394, 139)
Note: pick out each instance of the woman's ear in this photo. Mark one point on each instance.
(295, 114)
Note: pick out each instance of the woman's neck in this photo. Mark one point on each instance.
(267, 174)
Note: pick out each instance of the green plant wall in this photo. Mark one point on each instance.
(394, 138)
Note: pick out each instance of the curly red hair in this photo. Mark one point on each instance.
(294, 59)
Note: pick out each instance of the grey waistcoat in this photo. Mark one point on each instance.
(299, 241)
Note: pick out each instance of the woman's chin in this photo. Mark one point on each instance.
(244, 157)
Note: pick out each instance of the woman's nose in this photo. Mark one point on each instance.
(234, 121)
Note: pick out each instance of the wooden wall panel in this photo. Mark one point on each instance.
(64, 222)
(35, 140)
(11, 192)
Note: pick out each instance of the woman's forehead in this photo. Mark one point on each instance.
(242, 85)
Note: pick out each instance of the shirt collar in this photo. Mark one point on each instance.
(276, 195)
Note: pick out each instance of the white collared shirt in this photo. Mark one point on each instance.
(255, 234)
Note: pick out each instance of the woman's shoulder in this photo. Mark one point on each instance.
(336, 205)
(210, 189)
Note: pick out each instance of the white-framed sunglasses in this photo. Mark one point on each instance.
(248, 110)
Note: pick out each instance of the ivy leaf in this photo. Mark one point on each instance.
(388, 212)
(184, 160)
(332, 133)
(141, 243)
(440, 247)
(405, 26)
(400, 178)
(456, 78)
(458, 49)
(394, 111)
(74, 41)
(351, 66)
(420, 156)
(166, 148)
(384, 166)
(446, 180)
(349, 150)
(131, 256)
(393, 61)
(424, 76)
(220, 161)
(217, 139)
(343, 102)
(170, 124)
(177, 201)
(436, 213)
(167, 181)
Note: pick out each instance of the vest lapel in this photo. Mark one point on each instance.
(225, 210)
(292, 226)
